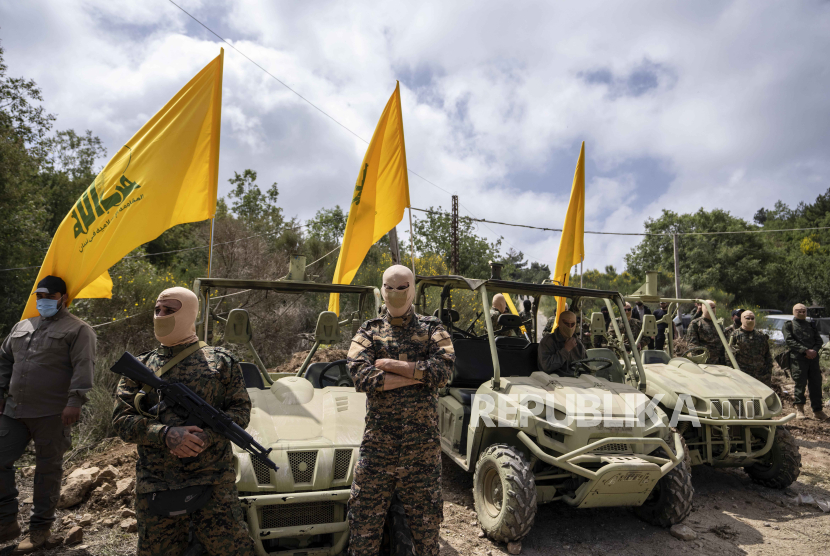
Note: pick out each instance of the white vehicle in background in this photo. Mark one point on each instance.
(774, 328)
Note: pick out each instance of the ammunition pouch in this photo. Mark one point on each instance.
(183, 501)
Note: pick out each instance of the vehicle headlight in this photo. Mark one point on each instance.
(773, 402)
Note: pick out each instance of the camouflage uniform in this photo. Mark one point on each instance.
(800, 336)
(729, 330)
(635, 324)
(401, 448)
(548, 327)
(214, 374)
(494, 318)
(751, 349)
(702, 333)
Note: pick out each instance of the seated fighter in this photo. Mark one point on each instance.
(560, 348)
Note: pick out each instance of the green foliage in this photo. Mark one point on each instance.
(256, 209)
(328, 225)
(519, 270)
(736, 263)
(433, 234)
(26, 121)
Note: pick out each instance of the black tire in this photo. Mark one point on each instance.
(671, 500)
(783, 465)
(504, 491)
(397, 537)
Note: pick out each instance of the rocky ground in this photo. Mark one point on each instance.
(731, 515)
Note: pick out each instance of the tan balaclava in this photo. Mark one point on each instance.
(567, 331)
(500, 303)
(705, 312)
(398, 290)
(802, 307)
(748, 321)
(180, 327)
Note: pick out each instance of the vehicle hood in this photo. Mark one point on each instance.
(681, 376)
(613, 398)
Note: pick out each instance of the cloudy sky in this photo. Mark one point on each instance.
(681, 105)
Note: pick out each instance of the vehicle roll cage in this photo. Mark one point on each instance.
(611, 298)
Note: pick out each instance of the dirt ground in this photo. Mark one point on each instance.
(730, 515)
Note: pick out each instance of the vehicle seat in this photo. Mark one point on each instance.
(655, 356)
(474, 364)
(251, 376)
(614, 373)
(511, 342)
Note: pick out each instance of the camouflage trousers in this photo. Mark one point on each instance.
(219, 527)
(411, 470)
(807, 376)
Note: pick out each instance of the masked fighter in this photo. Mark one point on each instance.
(561, 347)
(399, 360)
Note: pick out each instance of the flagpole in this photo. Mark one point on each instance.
(210, 247)
(411, 241)
(210, 264)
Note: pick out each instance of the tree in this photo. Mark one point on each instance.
(68, 169)
(433, 234)
(256, 209)
(328, 225)
(23, 240)
(518, 269)
(29, 123)
(738, 263)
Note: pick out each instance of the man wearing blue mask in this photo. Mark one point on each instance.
(46, 366)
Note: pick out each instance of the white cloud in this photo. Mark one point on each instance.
(727, 99)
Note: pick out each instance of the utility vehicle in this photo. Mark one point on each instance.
(312, 418)
(737, 418)
(529, 436)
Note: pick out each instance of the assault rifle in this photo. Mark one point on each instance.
(186, 403)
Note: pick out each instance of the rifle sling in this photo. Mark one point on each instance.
(167, 367)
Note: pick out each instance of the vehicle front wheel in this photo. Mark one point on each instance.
(671, 500)
(782, 465)
(504, 491)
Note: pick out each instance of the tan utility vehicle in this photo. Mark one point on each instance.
(530, 437)
(737, 419)
(312, 418)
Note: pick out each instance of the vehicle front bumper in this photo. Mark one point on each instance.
(340, 529)
(623, 480)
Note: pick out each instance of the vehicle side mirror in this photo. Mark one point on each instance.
(598, 327)
(328, 330)
(649, 326)
(238, 327)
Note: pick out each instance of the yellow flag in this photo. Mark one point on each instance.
(513, 310)
(380, 195)
(571, 247)
(165, 175)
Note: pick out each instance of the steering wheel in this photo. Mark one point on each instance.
(582, 367)
(697, 354)
(342, 378)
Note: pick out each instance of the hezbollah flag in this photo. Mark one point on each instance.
(380, 195)
(571, 247)
(165, 175)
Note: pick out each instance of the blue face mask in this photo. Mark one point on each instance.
(47, 307)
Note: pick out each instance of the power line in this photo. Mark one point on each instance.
(665, 234)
